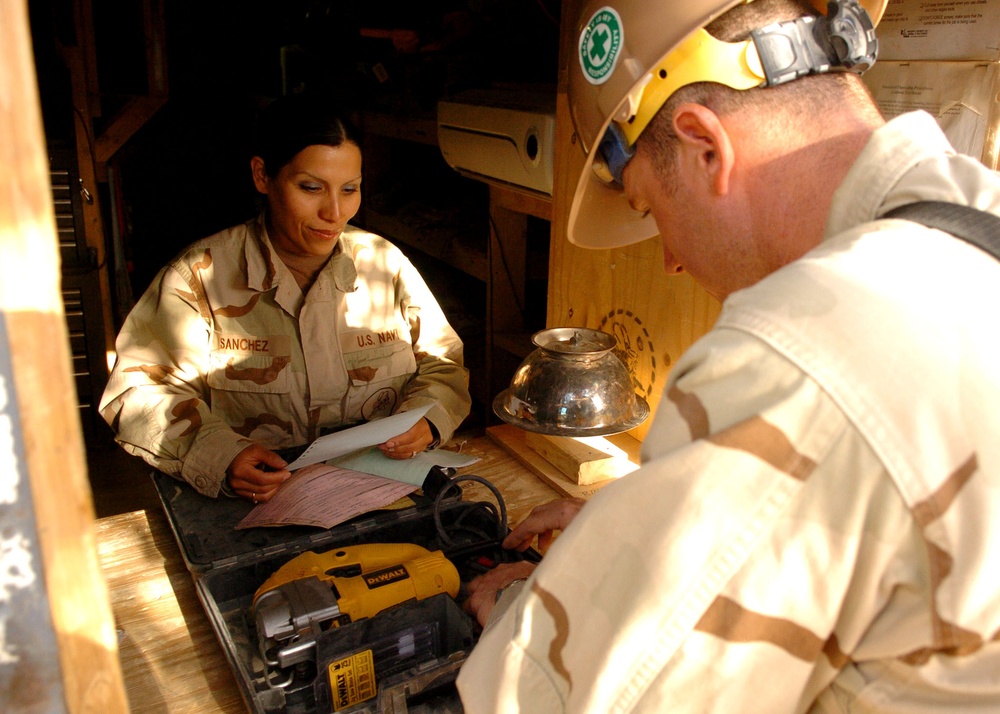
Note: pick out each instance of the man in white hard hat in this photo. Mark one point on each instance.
(814, 524)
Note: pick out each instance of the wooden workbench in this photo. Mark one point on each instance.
(170, 657)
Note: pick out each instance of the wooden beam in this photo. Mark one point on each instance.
(93, 221)
(584, 460)
(83, 21)
(512, 440)
(139, 110)
(521, 200)
(58, 644)
(136, 112)
(154, 29)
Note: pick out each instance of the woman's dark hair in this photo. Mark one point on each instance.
(291, 123)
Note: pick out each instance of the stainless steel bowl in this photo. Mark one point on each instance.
(572, 385)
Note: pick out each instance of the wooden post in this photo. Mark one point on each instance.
(58, 648)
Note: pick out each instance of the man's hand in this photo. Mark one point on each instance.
(247, 475)
(543, 521)
(410, 443)
(483, 590)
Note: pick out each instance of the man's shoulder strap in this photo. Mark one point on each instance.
(980, 228)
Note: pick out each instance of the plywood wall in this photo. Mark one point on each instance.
(625, 292)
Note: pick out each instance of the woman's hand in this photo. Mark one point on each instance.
(543, 521)
(482, 591)
(410, 443)
(256, 473)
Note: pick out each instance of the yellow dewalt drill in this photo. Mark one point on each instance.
(316, 591)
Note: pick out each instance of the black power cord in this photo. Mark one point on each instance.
(469, 523)
(497, 514)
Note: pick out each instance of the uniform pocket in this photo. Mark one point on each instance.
(250, 364)
(377, 369)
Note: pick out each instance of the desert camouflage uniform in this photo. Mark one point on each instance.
(223, 349)
(816, 523)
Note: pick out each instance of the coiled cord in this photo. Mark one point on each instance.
(497, 513)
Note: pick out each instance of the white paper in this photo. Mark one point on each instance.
(412, 471)
(357, 438)
(959, 95)
(939, 30)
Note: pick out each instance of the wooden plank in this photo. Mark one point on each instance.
(171, 658)
(513, 440)
(521, 200)
(584, 460)
(44, 448)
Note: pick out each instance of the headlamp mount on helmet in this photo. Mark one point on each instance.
(775, 54)
(845, 39)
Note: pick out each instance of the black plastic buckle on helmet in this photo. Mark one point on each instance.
(844, 39)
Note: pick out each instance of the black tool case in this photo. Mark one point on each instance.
(418, 646)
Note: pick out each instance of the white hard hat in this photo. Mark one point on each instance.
(633, 54)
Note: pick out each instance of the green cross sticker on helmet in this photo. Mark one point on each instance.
(600, 45)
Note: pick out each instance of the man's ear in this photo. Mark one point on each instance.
(710, 147)
(259, 175)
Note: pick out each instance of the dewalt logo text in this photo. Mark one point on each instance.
(385, 576)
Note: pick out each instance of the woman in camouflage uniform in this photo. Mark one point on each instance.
(273, 332)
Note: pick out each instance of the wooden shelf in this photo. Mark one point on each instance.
(451, 246)
(521, 200)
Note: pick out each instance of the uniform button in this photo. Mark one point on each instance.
(201, 483)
